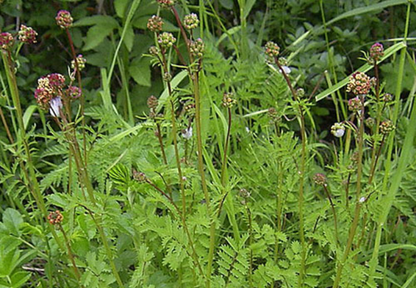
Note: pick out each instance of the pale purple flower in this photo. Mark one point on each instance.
(55, 105)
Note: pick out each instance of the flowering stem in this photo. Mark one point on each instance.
(71, 256)
(354, 224)
(325, 186)
(227, 139)
(301, 173)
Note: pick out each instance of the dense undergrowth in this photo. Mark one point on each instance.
(253, 165)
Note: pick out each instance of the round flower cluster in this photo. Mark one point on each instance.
(48, 88)
(355, 104)
(273, 115)
(55, 217)
(386, 127)
(376, 51)
(190, 108)
(197, 48)
(155, 24)
(80, 61)
(6, 40)
(166, 40)
(74, 92)
(272, 49)
(166, 3)
(387, 97)
(191, 21)
(27, 34)
(139, 176)
(338, 130)
(359, 83)
(152, 102)
(64, 19)
(228, 100)
(319, 179)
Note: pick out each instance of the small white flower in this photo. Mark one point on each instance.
(339, 133)
(187, 133)
(55, 106)
(286, 69)
(247, 130)
(362, 199)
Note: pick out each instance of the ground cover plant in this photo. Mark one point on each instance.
(207, 144)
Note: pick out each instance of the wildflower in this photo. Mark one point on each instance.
(155, 24)
(245, 195)
(359, 83)
(64, 19)
(272, 49)
(362, 199)
(55, 106)
(187, 133)
(228, 100)
(56, 80)
(369, 122)
(197, 48)
(338, 130)
(167, 77)
(300, 92)
(153, 50)
(386, 127)
(139, 176)
(166, 40)
(387, 97)
(166, 3)
(191, 21)
(80, 61)
(74, 92)
(152, 102)
(6, 40)
(283, 64)
(190, 108)
(273, 115)
(376, 51)
(27, 34)
(55, 218)
(319, 179)
(355, 104)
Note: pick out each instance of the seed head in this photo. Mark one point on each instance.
(152, 102)
(154, 51)
(81, 62)
(166, 3)
(197, 48)
(74, 92)
(191, 21)
(27, 34)
(139, 176)
(369, 122)
(387, 97)
(228, 100)
(271, 49)
(319, 179)
(338, 130)
(386, 127)
(6, 40)
(355, 104)
(55, 218)
(155, 24)
(64, 19)
(359, 83)
(166, 40)
(376, 51)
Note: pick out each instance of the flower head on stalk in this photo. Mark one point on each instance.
(355, 104)
(6, 40)
(197, 48)
(338, 130)
(166, 40)
(228, 100)
(319, 179)
(74, 92)
(359, 83)
(27, 34)
(271, 49)
(155, 24)
(80, 61)
(386, 127)
(191, 21)
(376, 51)
(64, 19)
(49, 92)
(166, 3)
(55, 218)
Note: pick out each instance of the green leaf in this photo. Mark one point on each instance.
(12, 220)
(129, 38)
(28, 114)
(96, 20)
(97, 34)
(121, 6)
(140, 71)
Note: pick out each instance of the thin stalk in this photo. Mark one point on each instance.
(391, 192)
(354, 224)
(162, 149)
(3, 119)
(333, 210)
(301, 118)
(71, 256)
(227, 139)
(250, 232)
